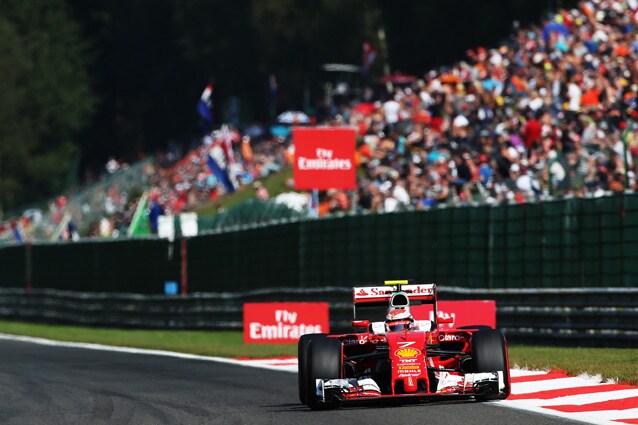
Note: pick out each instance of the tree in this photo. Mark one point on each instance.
(46, 98)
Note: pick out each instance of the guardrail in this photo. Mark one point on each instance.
(606, 317)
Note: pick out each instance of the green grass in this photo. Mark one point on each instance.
(616, 364)
(275, 183)
(224, 344)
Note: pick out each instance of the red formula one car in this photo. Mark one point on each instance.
(401, 357)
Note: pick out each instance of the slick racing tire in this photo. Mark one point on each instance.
(489, 354)
(303, 347)
(323, 362)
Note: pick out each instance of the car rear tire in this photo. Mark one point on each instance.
(303, 347)
(324, 361)
(489, 354)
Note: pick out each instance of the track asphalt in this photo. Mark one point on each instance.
(43, 382)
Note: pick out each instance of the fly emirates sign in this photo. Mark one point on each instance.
(324, 158)
(324, 161)
(283, 323)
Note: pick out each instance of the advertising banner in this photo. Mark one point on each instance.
(463, 313)
(324, 158)
(283, 323)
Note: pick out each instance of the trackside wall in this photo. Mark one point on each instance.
(135, 265)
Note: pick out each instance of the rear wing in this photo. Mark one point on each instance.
(379, 296)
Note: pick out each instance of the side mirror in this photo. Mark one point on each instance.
(448, 319)
(360, 324)
(424, 325)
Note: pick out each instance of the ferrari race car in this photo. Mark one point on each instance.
(401, 358)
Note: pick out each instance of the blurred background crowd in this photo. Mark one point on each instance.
(550, 112)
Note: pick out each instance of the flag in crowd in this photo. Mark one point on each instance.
(369, 55)
(217, 164)
(246, 150)
(313, 204)
(225, 137)
(17, 234)
(205, 108)
(220, 158)
(140, 223)
(13, 230)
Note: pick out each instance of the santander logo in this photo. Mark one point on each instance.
(384, 291)
(423, 290)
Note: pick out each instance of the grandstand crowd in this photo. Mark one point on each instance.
(550, 112)
(544, 114)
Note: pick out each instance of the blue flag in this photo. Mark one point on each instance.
(205, 108)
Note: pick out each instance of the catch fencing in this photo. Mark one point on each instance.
(569, 317)
(571, 243)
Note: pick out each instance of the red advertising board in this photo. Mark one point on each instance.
(463, 313)
(283, 323)
(324, 158)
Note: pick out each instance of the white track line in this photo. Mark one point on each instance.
(611, 415)
(577, 400)
(550, 384)
(590, 398)
(596, 418)
(515, 373)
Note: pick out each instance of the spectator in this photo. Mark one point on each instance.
(155, 210)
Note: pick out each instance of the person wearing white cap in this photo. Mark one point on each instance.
(460, 121)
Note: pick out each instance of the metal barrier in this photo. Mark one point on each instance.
(605, 317)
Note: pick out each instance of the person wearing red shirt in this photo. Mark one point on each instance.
(532, 133)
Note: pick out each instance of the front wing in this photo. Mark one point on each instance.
(488, 384)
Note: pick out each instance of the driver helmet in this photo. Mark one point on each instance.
(399, 317)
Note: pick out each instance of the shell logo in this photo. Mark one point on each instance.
(407, 353)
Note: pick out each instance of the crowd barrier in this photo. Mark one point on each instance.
(598, 317)
(568, 243)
